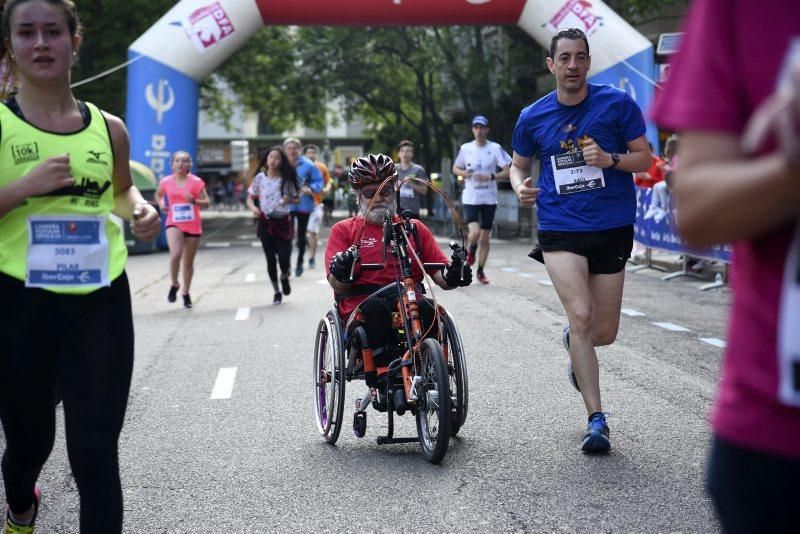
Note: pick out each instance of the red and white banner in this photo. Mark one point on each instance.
(390, 12)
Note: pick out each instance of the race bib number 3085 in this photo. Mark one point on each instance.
(572, 175)
(67, 252)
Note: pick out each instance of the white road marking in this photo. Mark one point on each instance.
(145, 388)
(218, 244)
(545, 282)
(630, 312)
(714, 341)
(223, 387)
(323, 281)
(527, 275)
(255, 244)
(250, 277)
(672, 327)
(242, 314)
(509, 269)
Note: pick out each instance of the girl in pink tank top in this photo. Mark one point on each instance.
(181, 195)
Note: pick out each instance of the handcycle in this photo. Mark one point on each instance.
(429, 378)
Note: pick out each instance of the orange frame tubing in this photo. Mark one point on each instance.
(412, 310)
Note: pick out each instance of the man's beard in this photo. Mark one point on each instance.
(377, 214)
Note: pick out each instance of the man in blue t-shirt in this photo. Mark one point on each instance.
(589, 139)
(309, 178)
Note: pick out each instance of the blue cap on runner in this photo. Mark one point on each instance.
(480, 119)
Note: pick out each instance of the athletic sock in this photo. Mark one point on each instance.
(473, 248)
(480, 268)
(275, 286)
(19, 522)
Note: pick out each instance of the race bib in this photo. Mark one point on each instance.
(789, 310)
(67, 251)
(182, 213)
(573, 175)
(789, 319)
(406, 191)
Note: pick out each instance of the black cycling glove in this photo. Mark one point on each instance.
(341, 265)
(452, 274)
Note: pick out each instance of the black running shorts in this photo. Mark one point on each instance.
(480, 213)
(607, 250)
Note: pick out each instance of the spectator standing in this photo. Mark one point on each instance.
(653, 175)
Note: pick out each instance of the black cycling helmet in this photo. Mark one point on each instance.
(371, 169)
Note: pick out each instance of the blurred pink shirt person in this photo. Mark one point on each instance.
(183, 211)
(727, 72)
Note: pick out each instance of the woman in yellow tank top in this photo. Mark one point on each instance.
(66, 316)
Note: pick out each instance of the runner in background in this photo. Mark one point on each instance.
(412, 191)
(275, 187)
(66, 316)
(310, 181)
(481, 162)
(181, 195)
(315, 220)
(739, 181)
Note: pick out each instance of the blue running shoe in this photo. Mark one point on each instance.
(570, 371)
(596, 438)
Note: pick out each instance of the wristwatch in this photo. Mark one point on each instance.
(614, 159)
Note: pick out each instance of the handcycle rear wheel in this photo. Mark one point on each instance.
(329, 377)
(433, 402)
(457, 372)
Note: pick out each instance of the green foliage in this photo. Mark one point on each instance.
(423, 84)
(633, 10)
(268, 75)
(110, 26)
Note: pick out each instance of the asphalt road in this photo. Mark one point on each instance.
(255, 463)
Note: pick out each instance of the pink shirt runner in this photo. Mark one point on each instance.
(181, 214)
(728, 64)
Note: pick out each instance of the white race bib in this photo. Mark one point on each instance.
(573, 175)
(67, 251)
(788, 322)
(182, 213)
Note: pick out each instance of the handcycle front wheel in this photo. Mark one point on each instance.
(329, 377)
(433, 401)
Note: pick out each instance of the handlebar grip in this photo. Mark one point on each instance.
(353, 267)
(461, 254)
(371, 266)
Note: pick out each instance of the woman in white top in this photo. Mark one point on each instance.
(275, 187)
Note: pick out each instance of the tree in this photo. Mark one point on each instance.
(418, 83)
(110, 27)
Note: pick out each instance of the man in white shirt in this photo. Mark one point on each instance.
(481, 162)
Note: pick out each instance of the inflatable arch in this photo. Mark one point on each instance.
(196, 36)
